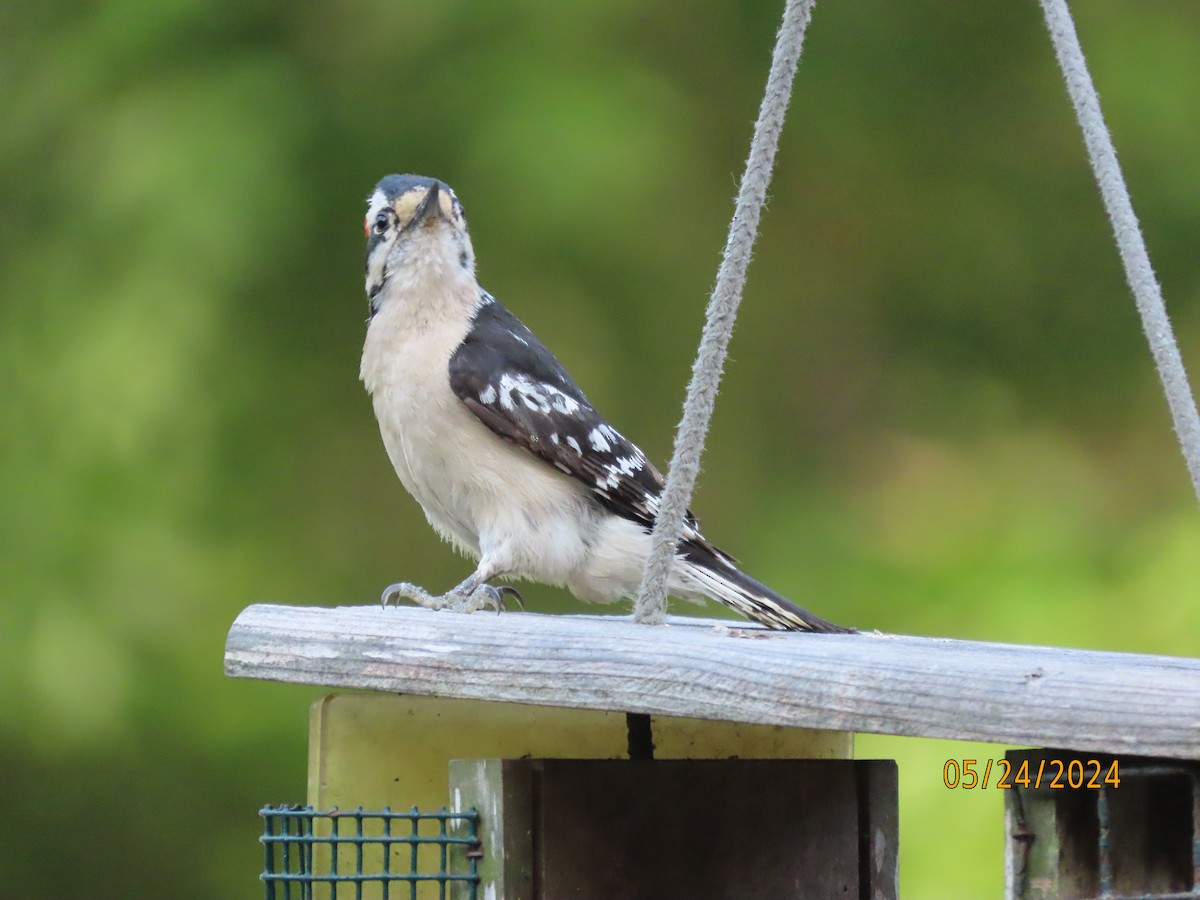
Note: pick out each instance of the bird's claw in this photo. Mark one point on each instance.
(505, 590)
(455, 600)
(414, 592)
(484, 595)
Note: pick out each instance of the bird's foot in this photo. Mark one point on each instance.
(403, 590)
(456, 600)
(484, 595)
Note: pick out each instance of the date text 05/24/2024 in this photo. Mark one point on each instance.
(1056, 774)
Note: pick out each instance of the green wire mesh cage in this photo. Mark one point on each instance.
(355, 854)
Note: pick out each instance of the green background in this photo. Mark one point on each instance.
(939, 415)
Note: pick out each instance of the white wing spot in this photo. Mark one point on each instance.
(563, 403)
(598, 441)
(627, 465)
(574, 445)
(619, 468)
(488, 394)
(535, 395)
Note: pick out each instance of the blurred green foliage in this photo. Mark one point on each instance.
(939, 416)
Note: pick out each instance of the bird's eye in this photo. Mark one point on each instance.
(381, 223)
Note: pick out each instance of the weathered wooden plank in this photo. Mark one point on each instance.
(887, 684)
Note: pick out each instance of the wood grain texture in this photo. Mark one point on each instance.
(886, 684)
(591, 829)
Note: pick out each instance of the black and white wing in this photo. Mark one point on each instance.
(513, 383)
(518, 389)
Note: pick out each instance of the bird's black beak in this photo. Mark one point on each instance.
(431, 206)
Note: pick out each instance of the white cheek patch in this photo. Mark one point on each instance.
(375, 205)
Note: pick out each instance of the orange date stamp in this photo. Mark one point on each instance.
(1055, 774)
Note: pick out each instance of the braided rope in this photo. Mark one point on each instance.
(722, 310)
(731, 277)
(1147, 293)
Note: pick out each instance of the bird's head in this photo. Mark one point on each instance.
(415, 230)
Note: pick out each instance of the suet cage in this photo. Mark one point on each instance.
(336, 855)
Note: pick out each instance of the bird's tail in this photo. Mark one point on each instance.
(719, 579)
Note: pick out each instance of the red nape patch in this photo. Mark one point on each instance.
(367, 226)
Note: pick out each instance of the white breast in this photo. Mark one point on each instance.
(485, 495)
